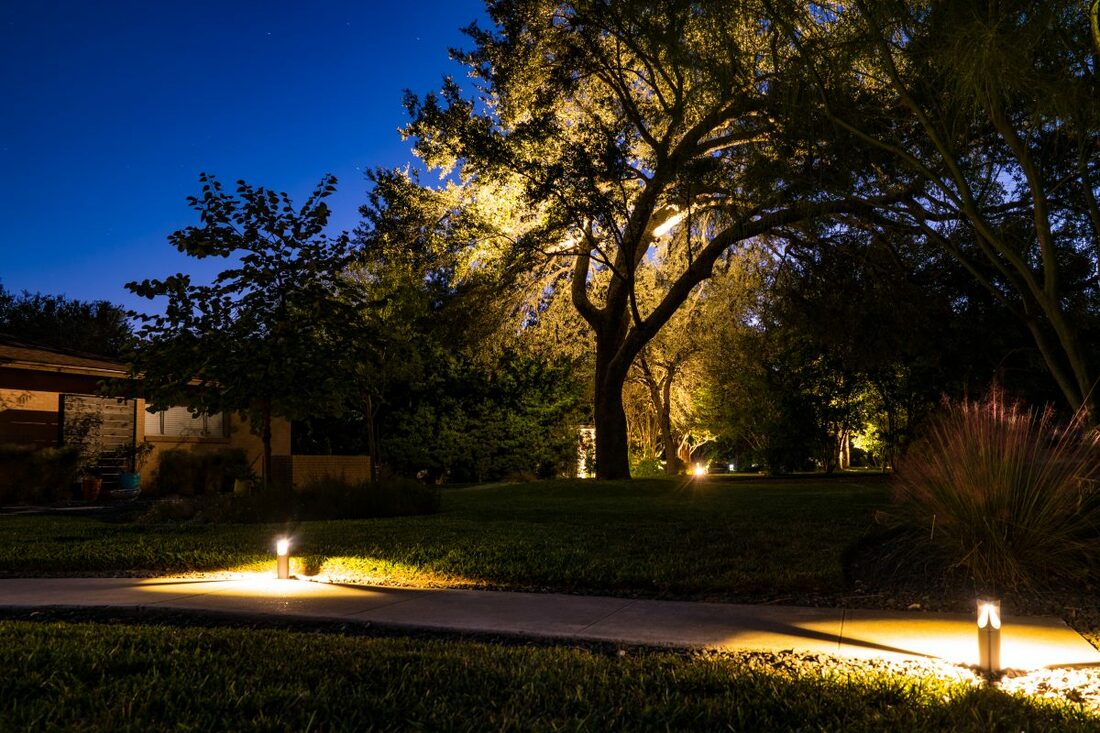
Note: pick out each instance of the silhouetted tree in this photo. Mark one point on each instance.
(266, 337)
(95, 327)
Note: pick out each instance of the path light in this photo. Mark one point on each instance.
(989, 636)
(282, 562)
(700, 470)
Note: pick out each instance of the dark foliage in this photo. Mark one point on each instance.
(190, 473)
(323, 499)
(35, 476)
(467, 421)
(263, 338)
(95, 327)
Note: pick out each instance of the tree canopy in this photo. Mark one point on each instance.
(618, 126)
(991, 113)
(96, 327)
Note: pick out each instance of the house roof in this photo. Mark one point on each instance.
(18, 354)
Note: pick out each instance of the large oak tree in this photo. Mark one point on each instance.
(617, 125)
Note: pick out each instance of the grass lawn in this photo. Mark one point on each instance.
(93, 677)
(721, 538)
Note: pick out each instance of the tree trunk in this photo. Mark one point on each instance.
(372, 436)
(660, 394)
(672, 461)
(612, 450)
(844, 456)
(267, 444)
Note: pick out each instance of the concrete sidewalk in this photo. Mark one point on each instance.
(1028, 643)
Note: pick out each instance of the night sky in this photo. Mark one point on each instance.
(111, 108)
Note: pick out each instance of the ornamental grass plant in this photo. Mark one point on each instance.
(1008, 495)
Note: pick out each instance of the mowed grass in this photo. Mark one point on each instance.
(716, 538)
(91, 677)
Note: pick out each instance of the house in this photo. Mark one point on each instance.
(46, 392)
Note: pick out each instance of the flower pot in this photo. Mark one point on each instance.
(129, 485)
(90, 487)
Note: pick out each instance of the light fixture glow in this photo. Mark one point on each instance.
(282, 560)
(989, 614)
(989, 636)
(700, 470)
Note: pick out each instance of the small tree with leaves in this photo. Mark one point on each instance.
(264, 338)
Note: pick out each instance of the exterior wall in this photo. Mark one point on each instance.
(240, 436)
(299, 471)
(30, 395)
(29, 417)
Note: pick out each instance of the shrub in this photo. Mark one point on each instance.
(29, 475)
(327, 498)
(647, 468)
(331, 498)
(191, 473)
(1005, 494)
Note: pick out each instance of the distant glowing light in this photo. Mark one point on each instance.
(732, 468)
(700, 470)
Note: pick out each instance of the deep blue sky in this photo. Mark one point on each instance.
(109, 109)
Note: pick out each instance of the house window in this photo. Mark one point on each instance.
(179, 422)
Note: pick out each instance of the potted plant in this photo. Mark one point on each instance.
(129, 482)
(243, 477)
(90, 482)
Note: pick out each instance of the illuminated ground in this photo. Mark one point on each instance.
(1028, 643)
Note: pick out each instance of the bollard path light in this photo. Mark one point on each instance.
(282, 558)
(989, 636)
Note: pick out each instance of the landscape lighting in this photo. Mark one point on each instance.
(700, 470)
(282, 559)
(989, 636)
(668, 224)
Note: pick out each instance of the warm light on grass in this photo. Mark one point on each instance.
(358, 570)
(243, 678)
